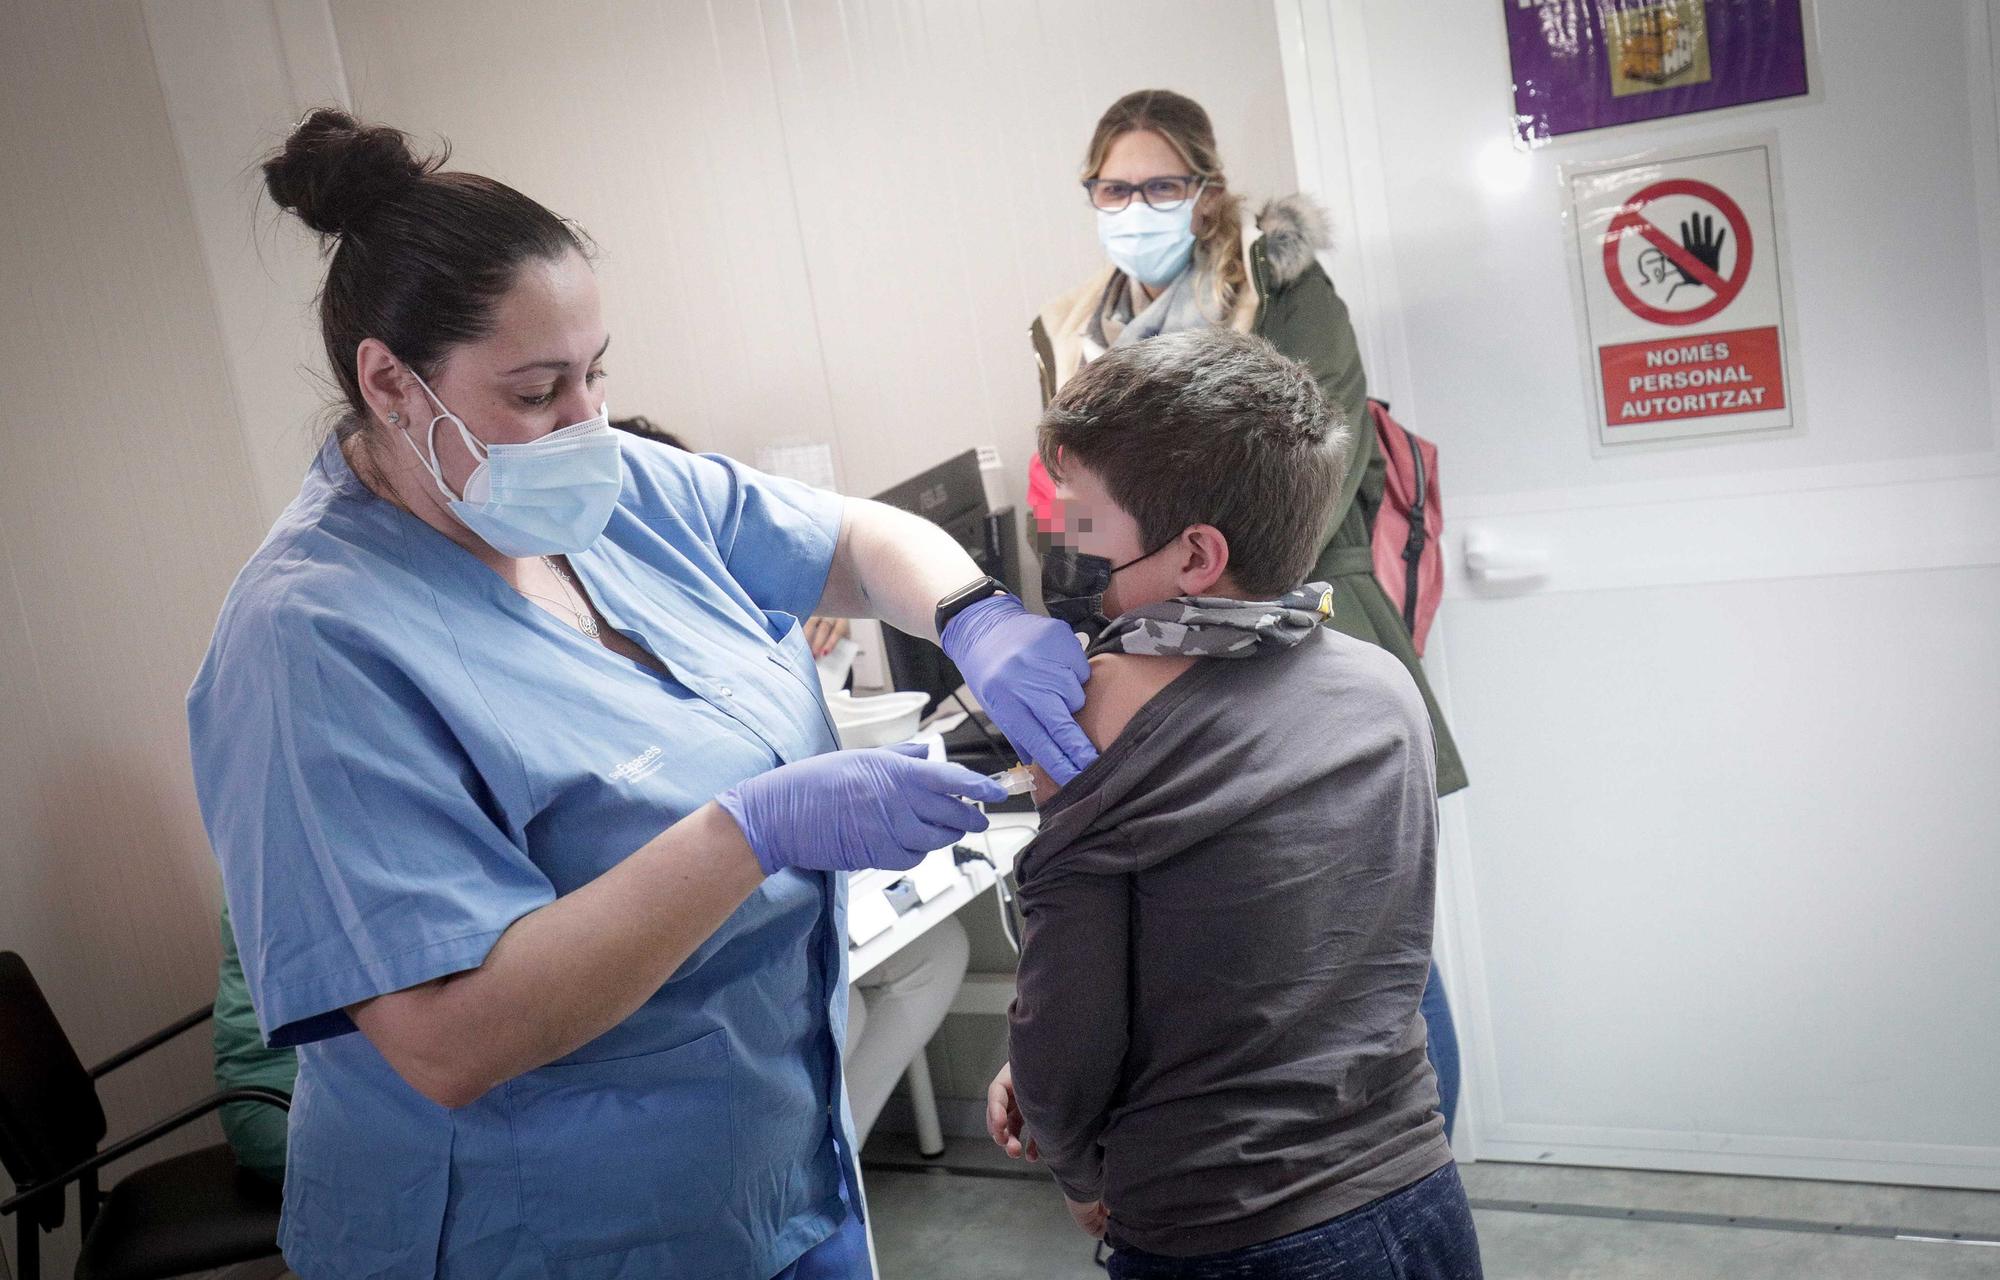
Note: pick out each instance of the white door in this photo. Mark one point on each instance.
(1725, 892)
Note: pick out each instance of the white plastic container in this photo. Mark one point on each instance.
(878, 721)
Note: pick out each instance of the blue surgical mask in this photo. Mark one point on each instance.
(548, 497)
(1150, 245)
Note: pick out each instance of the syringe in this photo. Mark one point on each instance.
(1018, 780)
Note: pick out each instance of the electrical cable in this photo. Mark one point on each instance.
(1004, 895)
(1003, 890)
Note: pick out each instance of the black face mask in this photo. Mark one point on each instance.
(1074, 582)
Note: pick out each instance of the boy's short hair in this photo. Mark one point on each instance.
(1209, 426)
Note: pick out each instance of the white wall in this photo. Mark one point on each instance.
(1718, 897)
(828, 222)
(1883, 179)
(234, 75)
(127, 502)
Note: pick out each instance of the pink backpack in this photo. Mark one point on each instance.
(1408, 542)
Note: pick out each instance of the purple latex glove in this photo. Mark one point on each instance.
(845, 810)
(1028, 672)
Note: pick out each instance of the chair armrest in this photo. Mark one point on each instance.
(153, 1041)
(153, 1133)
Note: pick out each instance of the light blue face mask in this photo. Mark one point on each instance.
(548, 497)
(1150, 245)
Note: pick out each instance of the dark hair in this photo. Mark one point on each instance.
(1208, 426)
(420, 256)
(644, 427)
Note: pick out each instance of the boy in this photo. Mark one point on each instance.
(1216, 1044)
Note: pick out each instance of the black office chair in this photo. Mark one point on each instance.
(193, 1212)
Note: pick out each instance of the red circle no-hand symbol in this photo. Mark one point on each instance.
(1630, 220)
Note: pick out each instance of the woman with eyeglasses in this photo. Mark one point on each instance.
(1179, 255)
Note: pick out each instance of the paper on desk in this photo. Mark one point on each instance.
(936, 873)
(942, 721)
(835, 667)
(868, 914)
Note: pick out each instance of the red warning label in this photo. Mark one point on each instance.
(1741, 371)
(1680, 271)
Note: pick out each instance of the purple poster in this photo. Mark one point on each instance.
(1592, 64)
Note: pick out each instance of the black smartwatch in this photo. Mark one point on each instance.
(964, 598)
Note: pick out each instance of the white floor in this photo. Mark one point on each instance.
(965, 1218)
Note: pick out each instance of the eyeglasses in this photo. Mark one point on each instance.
(1163, 193)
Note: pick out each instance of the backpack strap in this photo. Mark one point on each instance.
(1413, 546)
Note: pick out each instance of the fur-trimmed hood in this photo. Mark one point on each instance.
(1293, 228)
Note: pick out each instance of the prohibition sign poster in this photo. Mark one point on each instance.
(1683, 295)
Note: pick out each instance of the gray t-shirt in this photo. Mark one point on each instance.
(1228, 917)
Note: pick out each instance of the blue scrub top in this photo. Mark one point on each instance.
(397, 756)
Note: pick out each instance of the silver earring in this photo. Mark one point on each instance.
(394, 417)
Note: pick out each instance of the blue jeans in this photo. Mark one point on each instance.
(1443, 1046)
(841, 1256)
(1423, 1232)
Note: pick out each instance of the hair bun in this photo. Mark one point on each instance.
(333, 170)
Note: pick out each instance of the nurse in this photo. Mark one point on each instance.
(510, 746)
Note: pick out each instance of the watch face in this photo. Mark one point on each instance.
(964, 598)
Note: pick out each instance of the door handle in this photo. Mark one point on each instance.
(1496, 560)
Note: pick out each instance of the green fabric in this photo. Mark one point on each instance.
(256, 1132)
(1307, 321)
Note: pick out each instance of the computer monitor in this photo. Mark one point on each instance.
(952, 496)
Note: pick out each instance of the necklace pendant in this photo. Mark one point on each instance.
(587, 624)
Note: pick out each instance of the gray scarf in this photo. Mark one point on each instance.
(1178, 308)
(1218, 627)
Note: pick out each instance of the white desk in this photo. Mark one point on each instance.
(1008, 835)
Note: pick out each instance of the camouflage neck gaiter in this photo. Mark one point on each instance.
(1218, 627)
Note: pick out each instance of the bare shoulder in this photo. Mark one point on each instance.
(1120, 684)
